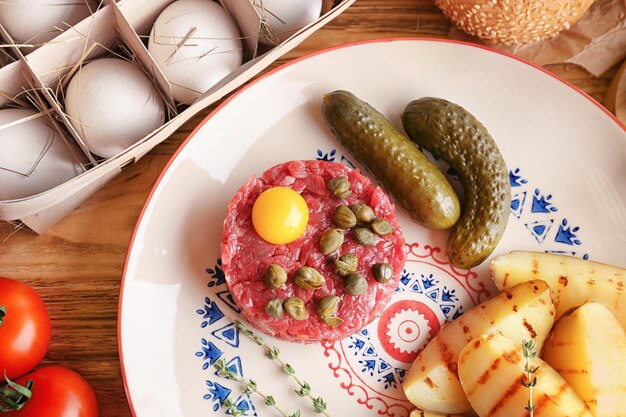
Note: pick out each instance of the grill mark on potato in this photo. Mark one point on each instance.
(572, 371)
(510, 392)
(485, 376)
(506, 279)
(540, 404)
(515, 307)
(512, 356)
(444, 350)
(430, 382)
(555, 398)
(563, 280)
(535, 269)
(509, 295)
(562, 343)
(530, 329)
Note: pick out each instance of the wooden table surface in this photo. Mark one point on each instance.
(77, 266)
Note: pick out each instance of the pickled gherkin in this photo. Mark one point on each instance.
(452, 133)
(403, 170)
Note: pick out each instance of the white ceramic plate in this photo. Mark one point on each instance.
(568, 174)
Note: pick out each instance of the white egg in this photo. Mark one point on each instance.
(112, 104)
(196, 44)
(38, 21)
(33, 157)
(286, 17)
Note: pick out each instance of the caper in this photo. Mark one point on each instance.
(333, 321)
(344, 217)
(346, 264)
(364, 214)
(355, 284)
(339, 187)
(308, 278)
(381, 227)
(382, 272)
(327, 306)
(294, 306)
(275, 276)
(364, 236)
(274, 308)
(331, 240)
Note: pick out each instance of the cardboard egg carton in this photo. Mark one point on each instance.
(117, 27)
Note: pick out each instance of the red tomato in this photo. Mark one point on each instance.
(24, 329)
(57, 392)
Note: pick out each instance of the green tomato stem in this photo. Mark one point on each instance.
(3, 313)
(14, 396)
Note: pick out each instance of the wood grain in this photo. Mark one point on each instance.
(77, 265)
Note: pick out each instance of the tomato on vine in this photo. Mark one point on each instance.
(53, 391)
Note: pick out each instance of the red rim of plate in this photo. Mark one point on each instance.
(259, 79)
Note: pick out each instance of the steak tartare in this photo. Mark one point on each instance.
(346, 298)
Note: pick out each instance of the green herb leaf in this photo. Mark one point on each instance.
(289, 369)
(319, 405)
(250, 387)
(304, 390)
(273, 353)
(528, 380)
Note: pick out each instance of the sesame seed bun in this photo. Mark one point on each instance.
(513, 21)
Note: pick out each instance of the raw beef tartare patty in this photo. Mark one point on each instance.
(246, 256)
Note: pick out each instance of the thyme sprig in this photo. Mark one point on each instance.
(250, 387)
(272, 352)
(529, 380)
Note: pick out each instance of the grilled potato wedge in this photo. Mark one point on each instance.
(573, 281)
(588, 349)
(524, 311)
(491, 368)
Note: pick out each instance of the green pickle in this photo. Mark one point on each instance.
(403, 170)
(452, 133)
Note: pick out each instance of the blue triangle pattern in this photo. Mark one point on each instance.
(235, 365)
(433, 294)
(244, 403)
(517, 204)
(539, 229)
(227, 298)
(446, 309)
(228, 334)
(383, 366)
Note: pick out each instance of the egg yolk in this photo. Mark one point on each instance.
(280, 215)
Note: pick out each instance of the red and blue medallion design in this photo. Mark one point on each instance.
(371, 364)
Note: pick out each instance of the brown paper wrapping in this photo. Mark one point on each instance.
(596, 42)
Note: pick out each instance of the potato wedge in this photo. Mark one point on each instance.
(490, 369)
(522, 312)
(573, 281)
(588, 348)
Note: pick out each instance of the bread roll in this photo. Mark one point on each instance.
(513, 21)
